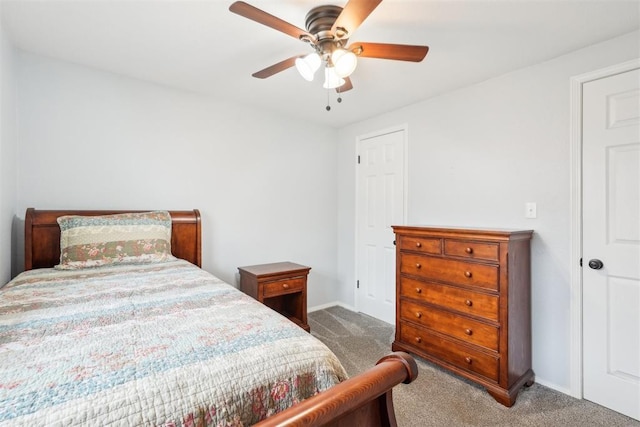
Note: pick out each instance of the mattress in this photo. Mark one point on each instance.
(163, 344)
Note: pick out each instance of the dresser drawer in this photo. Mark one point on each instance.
(449, 351)
(421, 244)
(451, 271)
(281, 287)
(471, 249)
(460, 327)
(461, 300)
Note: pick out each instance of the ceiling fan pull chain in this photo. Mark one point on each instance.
(328, 100)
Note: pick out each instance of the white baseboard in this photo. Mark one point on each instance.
(331, 304)
(555, 387)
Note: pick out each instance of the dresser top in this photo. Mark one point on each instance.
(458, 230)
(276, 268)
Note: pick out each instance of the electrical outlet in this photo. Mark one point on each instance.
(530, 210)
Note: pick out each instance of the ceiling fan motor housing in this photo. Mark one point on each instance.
(320, 19)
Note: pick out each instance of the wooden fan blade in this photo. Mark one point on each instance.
(276, 68)
(353, 14)
(398, 52)
(251, 12)
(346, 86)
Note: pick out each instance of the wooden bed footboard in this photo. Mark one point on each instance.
(364, 400)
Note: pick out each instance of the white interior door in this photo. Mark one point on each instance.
(611, 235)
(380, 204)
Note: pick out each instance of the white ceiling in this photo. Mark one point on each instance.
(200, 46)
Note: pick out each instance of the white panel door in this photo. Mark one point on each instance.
(380, 204)
(611, 242)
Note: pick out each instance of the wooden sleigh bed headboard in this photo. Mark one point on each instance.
(42, 235)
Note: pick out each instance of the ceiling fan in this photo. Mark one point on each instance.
(328, 31)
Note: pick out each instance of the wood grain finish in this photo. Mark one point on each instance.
(281, 286)
(469, 359)
(474, 250)
(450, 270)
(463, 302)
(464, 328)
(42, 235)
(454, 298)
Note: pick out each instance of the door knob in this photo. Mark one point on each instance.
(596, 264)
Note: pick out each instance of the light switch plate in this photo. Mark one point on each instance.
(531, 210)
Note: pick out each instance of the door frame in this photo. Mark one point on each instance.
(575, 240)
(405, 189)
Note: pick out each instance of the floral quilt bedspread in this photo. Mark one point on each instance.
(156, 345)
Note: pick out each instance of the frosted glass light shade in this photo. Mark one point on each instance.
(344, 62)
(308, 65)
(331, 79)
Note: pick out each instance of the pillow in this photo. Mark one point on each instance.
(129, 238)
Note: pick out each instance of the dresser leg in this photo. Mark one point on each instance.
(503, 397)
(508, 397)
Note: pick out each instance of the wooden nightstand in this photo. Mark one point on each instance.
(282, 286)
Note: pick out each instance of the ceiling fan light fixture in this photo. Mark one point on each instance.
(331, 79)
(308, 66)
(344, 62)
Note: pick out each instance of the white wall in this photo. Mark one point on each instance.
(265, 184)
(476, 156)
(8, 145)
(269, 187)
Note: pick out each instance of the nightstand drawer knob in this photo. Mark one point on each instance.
(285, 286)
(468, 331)
(418, 245)
(418, 265)
(418, 290)
(468, 360)
(469, 303)
(418, 314)
(467, 274)
(418, 340)
(469, 250)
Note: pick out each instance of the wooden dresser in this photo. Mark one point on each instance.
(463, 301)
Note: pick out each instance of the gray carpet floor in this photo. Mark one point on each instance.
(439, 398)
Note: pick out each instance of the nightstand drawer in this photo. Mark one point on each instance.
(282, 287)
(471, 249)
(451, 271)
(456, 326)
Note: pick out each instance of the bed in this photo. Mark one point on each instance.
(164, 342)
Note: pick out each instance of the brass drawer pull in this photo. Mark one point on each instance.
(418, 290)
(468, 331)
(468, 360)
(468, 250)
(285, 285)
(418, 265)
(467, 274)
(418, 340)
(418, 314)
(418, 245)
(469, 303)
